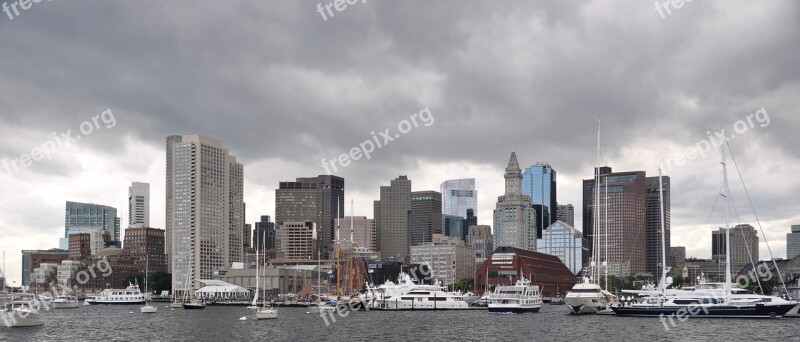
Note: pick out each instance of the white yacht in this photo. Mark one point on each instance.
(129, 295)
(20, 310)
(65, 302)
(588, 298)
(707, 299)
(522, 297)
(407, 295)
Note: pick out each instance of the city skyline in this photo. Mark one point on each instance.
(283, 97)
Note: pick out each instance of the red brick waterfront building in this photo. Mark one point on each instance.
(507, 263)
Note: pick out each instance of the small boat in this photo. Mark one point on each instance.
(557, 300)
(65, 302)
(267, 312)
(148, 307)
(21, 310)
(194, 304)
(522, 297)
(323, 307)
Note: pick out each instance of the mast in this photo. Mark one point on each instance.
(663, 234)
(255, 297)
(595, 242)
(605, 234)
(726, 194)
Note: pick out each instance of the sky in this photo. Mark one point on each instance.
(89, 90)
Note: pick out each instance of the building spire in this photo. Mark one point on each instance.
(513, 165)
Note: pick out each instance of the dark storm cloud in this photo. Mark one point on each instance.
(272, 80)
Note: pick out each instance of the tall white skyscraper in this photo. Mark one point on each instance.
(205, 187)
(139, 205)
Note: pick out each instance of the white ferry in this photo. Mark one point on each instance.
(127, 296)
(522, 297)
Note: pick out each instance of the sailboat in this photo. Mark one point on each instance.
(321, 307)
(190, 303)
(266, 311)
(254, 304)
(588, 297)
(148, 307)
(708, 302)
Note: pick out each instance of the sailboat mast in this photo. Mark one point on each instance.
(605, 234)
(726, 194)
(596, 223)
(663, 234)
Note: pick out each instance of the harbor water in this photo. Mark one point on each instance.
(214, 323)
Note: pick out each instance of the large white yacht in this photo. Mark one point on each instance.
(65, 302)
(129, 295)
(588, 298)
(407, 295)
(20, 310)
(522, 297)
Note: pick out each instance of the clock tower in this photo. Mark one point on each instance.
(514, 217)
(513, 176)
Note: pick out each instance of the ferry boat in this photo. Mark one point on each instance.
(522, 297)
(65, 302)
(128, 296)
(407, 295)
(20, 310)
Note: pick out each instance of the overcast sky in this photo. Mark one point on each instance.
(283, 88)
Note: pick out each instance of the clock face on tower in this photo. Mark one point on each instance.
(511, 183)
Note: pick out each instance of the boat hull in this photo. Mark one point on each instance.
(188, 306)
(24, 319)
(513, 309)
(65, 305)
(266, 314)
(149, 309)
(722, 311)
(105, 302)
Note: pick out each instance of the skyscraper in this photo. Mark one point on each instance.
(264, 236)
(793, 242)
(393, 211)
(744, 244)
(565, 242)
(565, 213)
(364, 232)
(139, 205)
(653, 224)
(632, 220)
(426, 216)
(314, 199)
(514, 216)
(84, 217)
(169, 224)
(458, 195)
(205, 216)
(480, 238)
(296, 240)
(539, 183)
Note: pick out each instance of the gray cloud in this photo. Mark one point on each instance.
(282, 89)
